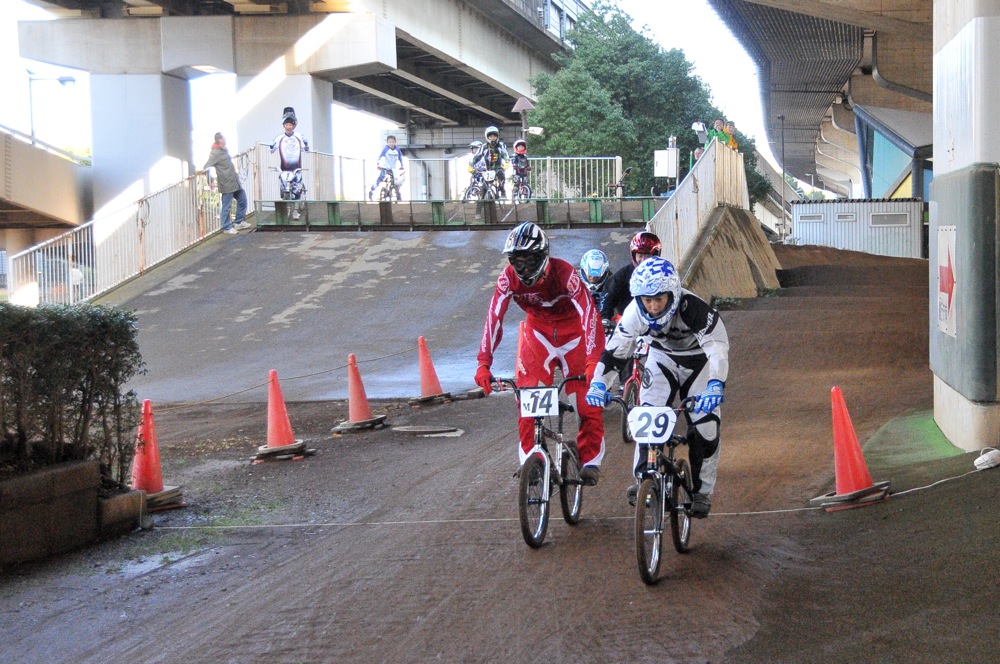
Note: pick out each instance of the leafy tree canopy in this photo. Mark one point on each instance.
(620, 93)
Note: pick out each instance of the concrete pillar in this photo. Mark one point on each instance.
(964, 233)
(142, 135)
(260, 119)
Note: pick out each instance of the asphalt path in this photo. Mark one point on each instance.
(215, 320)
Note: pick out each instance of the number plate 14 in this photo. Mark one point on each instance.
(652, 425)
(539, 402)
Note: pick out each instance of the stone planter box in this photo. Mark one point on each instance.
(57, 509)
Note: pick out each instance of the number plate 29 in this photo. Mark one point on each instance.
(539, 402)
(652, 425)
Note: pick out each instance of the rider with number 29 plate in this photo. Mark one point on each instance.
(562, 329)
(688, 354)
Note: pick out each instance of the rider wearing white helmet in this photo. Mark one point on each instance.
(688, 355)
(493, 156)
(561, 330)
(595, 270)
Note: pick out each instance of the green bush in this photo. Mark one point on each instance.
(63, 370)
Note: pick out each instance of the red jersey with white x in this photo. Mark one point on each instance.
(563, 329)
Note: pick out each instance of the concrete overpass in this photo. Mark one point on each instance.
(441, 69)
(913, 81)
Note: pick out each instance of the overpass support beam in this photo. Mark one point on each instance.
(964, 232)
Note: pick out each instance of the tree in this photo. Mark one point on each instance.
(617, 75)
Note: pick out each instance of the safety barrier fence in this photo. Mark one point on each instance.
(365, 215)
(115, 247)
(718, 178)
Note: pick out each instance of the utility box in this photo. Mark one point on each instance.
(665, 163)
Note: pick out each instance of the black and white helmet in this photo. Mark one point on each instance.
(527, 249)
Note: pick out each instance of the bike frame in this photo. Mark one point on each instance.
(544, 434)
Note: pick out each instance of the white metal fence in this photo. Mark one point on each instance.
(113, 248)
(116, 247)
(718, 178)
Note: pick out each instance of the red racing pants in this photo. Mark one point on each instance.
(542, 349)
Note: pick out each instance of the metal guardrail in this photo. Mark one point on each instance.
(116, 247)
(718, 178)
(113, 248)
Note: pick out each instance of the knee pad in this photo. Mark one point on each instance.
(700, 446)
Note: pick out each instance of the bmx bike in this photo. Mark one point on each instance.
(546, 467)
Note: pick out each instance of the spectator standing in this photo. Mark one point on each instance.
(730, 129)
(229, 186)
(718, 132)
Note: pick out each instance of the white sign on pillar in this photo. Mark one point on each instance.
(665, 163)
(946, 283)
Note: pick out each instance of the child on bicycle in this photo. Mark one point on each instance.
(643, 245)
(520, 159)
(562, 330)
(494, 157)
(595, 270)
(389, 159)
(688, 355)
(290, 145)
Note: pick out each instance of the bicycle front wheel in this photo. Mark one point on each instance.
(680, 507)
(571, 491)
(523, 193)
(473, 193)
(532, 502)
(631, 398)
(649, 529)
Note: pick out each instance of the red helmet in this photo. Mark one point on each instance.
(646, 243)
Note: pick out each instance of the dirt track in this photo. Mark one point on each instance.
(388, 547)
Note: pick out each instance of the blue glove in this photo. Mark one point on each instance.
(710, 399)
(597, 395)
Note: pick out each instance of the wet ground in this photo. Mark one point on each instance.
(386, 546)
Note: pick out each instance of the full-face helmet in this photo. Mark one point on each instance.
(644, 242)
(653, 277)
(594, 269)
(475, 146)
(288, 115)
(494, 132)
(527, 249)
(520, 146)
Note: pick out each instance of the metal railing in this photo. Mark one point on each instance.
(718, 178)
(113, 248)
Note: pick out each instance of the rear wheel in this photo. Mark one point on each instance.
(649, 530)
(532, 505)
(680, 510)
(571, 491)
(631, 398)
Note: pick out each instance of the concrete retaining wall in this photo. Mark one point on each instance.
(57, 510)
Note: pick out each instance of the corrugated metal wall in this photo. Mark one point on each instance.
(881, 227)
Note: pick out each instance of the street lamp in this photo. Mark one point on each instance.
(32, 78)
(782, 233)
(522, 106)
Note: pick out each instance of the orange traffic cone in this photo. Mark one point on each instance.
(430, 386)
(281, 442)
(359, 412)
(279, 427)
(146, 474)
(854, 483)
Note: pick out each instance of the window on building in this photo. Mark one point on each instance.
(811, 218)
(890, 219)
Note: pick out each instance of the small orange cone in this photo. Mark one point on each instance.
(281, 442)
(430, 386)
(146, 474)
(279, 427)
(854, 483)
(359, 412)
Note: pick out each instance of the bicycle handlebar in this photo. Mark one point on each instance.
(687, 405)
(500, 382)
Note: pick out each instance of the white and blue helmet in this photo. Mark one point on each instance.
(594, 269)
(656, 276)
(527, 249)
